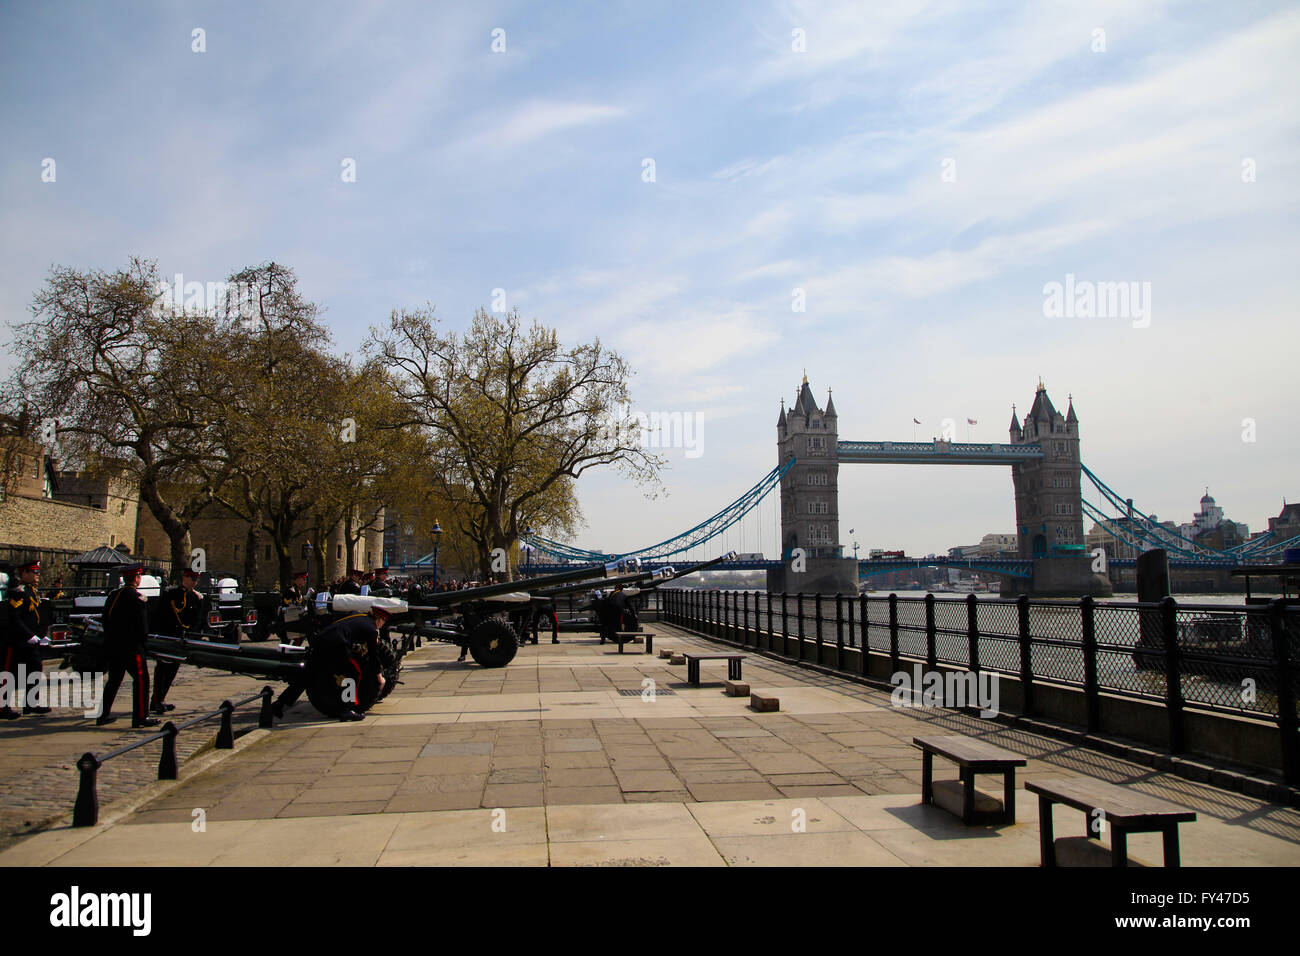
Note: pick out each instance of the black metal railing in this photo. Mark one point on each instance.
(1243, 660)
(85, 812)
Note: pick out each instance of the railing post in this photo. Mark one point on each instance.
(862, 613)
(931, 652)
(85, 812)
(768, 629)
(1091, 689)
(798, 606)
(1286, 698)
(744, 619)
(817, 618)
(785, 625)
(226, 735)
(167, 762)
(972, 633)
(893, 633)
(839, 630)
(1173, 681)
(266, 718)
(1026, 655)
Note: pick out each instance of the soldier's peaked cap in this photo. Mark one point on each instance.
(300, 574)
(189, 573)
(130, 569)
(29, 566)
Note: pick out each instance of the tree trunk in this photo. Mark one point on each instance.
(178, 532)
(252, 542)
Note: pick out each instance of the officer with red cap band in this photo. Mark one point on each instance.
(126, 636)
(24, 618)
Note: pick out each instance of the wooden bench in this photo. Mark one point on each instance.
(971, 756)
(632, 637)
(693, 665)
(1125, 811)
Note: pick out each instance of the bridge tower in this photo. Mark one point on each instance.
(1049, 503)
(1049, 499)
(810, 511)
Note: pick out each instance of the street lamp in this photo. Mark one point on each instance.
(437, 536)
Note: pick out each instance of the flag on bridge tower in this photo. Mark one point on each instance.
(971, 421)
(915, 422)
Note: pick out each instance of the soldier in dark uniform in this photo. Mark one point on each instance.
(297, 594)
(380, 587)
(23, 626)
(353, 584)
(181, 611)
(56, 593)
(347, 649)
(126, 635)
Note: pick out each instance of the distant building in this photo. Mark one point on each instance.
(1286, 525)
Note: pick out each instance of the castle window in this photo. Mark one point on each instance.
(268, 551)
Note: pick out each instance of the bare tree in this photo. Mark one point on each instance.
(127, 380)
(513, 416)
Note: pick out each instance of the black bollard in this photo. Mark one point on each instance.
(265, 717)
(167, 762)
(85, 812)
(226, 735)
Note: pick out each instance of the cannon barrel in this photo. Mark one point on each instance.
(605, 582)
(442, 599)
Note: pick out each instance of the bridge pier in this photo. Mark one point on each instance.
(1060, 577)
(821, 576)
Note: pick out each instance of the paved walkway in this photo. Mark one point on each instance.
(545, 762)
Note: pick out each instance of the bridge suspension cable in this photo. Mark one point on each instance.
(1143, 527)
(703, 532)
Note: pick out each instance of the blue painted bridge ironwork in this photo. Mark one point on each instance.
(935, 452)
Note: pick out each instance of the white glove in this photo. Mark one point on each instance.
(33, 640)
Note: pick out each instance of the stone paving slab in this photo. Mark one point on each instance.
(585, 776)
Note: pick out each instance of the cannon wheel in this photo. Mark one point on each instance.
(493, 643)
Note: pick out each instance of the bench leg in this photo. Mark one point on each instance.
(927, 774)
(1118, 846)
(650, 644)
(693, 673)
(1046, 839)
(620, 645)
(733, 670)
(967, 795)
(1009, 795)
(1172, 857)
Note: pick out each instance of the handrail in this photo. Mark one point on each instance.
(85, 812)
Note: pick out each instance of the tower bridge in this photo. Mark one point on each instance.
(1047, 477)
(1043, 455)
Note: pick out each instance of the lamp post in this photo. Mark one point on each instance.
(437, 536)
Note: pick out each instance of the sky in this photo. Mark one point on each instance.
(729, 195)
